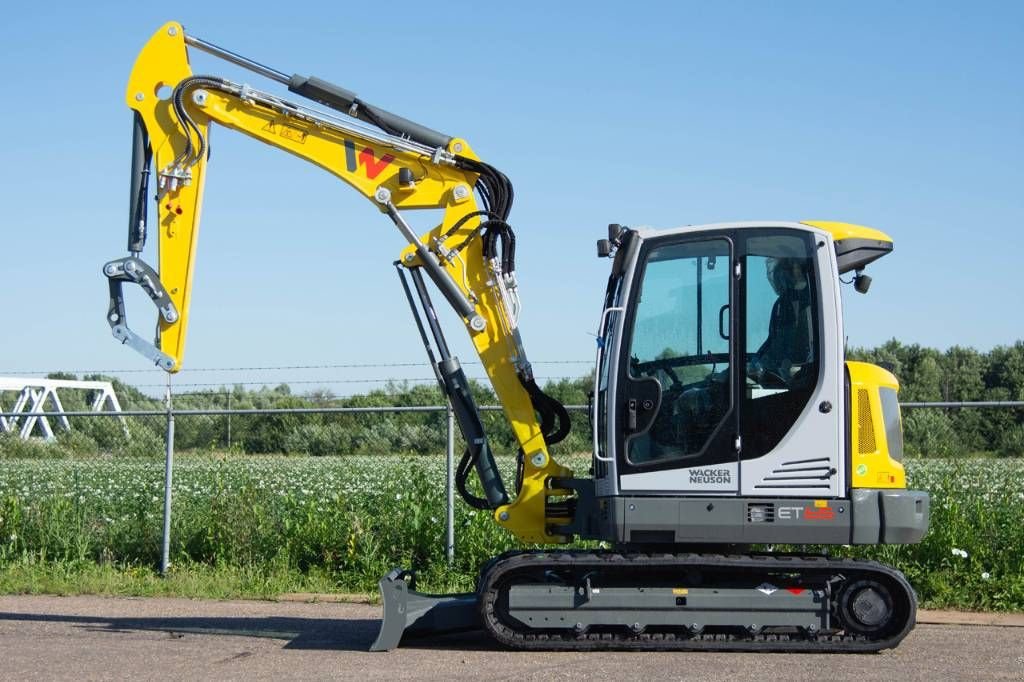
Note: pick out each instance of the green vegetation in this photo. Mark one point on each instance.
(261, 526)
(973, 554)
(30, 575)
(83, 513)
(958, 374)
(333, 524)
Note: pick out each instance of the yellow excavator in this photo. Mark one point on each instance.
(724, 412)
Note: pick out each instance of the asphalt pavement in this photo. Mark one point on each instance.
(98, 638)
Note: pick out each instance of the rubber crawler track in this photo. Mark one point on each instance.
(502, 572)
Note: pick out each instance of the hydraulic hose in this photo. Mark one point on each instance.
(142, 158)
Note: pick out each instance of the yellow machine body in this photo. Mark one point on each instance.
(872, 462)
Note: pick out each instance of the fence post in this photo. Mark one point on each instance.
(166, 545)
(449, 547)
(229, 419)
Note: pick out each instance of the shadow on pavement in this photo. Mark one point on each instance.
(301, 633)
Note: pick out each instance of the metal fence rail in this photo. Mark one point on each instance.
(382, 409)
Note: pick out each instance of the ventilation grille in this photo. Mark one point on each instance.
(865, 431)
(761, 513)
(800, 473)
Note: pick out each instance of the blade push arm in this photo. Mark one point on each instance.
(397, 164)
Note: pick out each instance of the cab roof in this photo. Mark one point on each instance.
(855, 245)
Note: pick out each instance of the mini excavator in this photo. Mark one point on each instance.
(724, 413)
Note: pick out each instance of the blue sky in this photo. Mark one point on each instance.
(908, 117)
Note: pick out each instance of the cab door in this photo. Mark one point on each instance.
(677, 411)
(791, 400)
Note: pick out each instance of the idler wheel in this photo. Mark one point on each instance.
(866, 608)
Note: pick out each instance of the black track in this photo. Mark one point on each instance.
(531, 567)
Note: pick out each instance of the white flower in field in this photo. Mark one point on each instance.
(960, 553)
(14, 536)
(985, 575)
(398, 496)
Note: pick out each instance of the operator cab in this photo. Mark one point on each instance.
(720, 364)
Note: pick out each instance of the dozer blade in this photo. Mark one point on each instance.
(409, 612)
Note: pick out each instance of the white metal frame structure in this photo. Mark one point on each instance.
(35, 394)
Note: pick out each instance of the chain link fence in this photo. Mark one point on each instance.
(401, 418)
(208, 423)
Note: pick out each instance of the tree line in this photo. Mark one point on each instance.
(925, 375)
(957, 374)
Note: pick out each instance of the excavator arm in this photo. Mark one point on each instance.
(398, 165)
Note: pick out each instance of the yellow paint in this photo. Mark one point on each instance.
(820, 503)
(848, 230)
(873, 468)
(163, 62)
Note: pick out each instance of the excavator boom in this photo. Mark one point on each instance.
(398, 165)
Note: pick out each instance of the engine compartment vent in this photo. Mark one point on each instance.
(761, 512)
(865, 428)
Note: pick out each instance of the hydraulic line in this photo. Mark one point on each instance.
(419, 324)
(190, 155)
(456, 386)
(497, 196)
(142, 160)
(333, 96)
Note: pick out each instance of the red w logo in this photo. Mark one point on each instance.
(366, 158)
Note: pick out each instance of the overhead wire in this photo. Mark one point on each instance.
(321, 382)
(357, 365)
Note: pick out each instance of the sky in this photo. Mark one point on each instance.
(907, 117)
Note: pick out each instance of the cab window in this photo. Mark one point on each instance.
(781, 344)
(680, 337)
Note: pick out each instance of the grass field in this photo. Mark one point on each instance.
(262, 526)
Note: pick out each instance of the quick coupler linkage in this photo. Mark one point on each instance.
(135, 270)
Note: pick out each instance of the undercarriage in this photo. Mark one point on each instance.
(581, 600)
